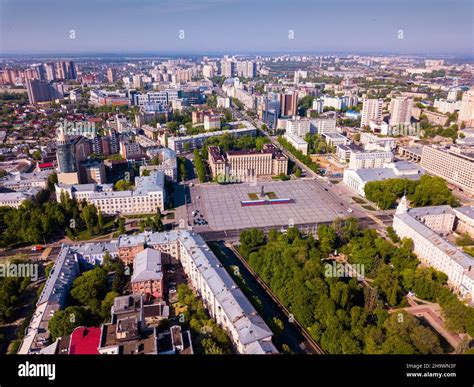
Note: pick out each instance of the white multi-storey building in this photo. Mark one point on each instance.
(149, 195)
(300, 127)
(400, 111)
(16, 199)
(208, 71)
(371, 110)
(372, 142)
(446, 106)
(356, 179)
(335, 139)
(318, 105)
(466, 113)
(455, 168)
(423, 226)
(370, 159)
(324, 125)
(339, 103)
(297, 142)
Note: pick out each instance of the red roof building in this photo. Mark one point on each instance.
(84, 341)
(45, 166)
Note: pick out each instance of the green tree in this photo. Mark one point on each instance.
(89, 289)
(65, 321)
(100, 222)
(123, 185)
(89, 216)
(121, 225)
(106, 305)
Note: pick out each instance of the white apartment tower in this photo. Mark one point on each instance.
(400, 110)
(371, 110)
(466, 114)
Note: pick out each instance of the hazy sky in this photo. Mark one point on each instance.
(429, 26)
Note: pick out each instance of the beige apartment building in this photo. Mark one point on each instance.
(244, 163)
(466, 114)
(452, 165)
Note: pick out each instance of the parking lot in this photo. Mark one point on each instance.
(220, 205)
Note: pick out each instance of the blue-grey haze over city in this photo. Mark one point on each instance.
(427, 26)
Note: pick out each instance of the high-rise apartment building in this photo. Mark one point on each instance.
(289, 104)
(300, 127)
(111, 75)
(50, 71)
(65, 153)
(400, 111)
(43, 91)
(466, 114)
(208, 71)
(371, 110)
(228, 68)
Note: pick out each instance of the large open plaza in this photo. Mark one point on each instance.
(222, 207)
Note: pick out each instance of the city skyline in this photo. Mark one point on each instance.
(190, 27)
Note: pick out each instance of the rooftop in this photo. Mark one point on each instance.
(84, 341)
(467, 211)
(147, 266)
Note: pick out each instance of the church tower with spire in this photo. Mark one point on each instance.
(403, 206)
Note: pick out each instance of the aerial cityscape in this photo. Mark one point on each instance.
(231, 193)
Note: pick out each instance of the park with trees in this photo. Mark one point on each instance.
(428, 191)
(340, 314)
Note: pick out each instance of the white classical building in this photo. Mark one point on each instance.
(425, 226)
(465, 219)
(16, 199)
(148, 195)
(356, 179)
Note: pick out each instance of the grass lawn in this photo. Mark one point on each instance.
(253, 196)
(170, 215)
(358, 200)
(369, 207)
(271, 195)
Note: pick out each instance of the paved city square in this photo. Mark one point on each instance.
(311, 204)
